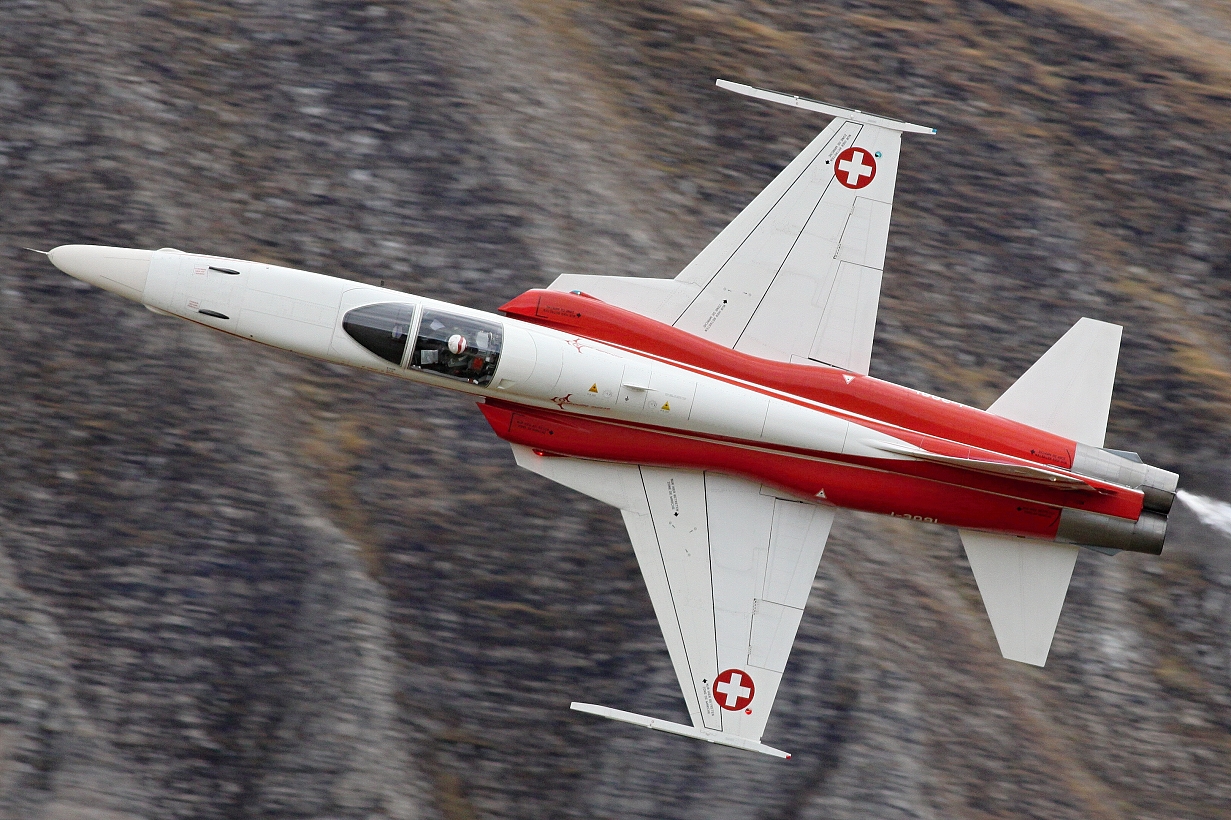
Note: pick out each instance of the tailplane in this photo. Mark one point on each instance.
(1023, 581)
(1068, 390)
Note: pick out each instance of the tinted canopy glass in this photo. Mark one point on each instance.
(382, 329)
(458, 346)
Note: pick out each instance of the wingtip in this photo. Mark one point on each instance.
(797, 101)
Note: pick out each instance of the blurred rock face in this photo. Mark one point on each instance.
(238, 584)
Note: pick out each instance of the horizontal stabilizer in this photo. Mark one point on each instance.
(695, 732)
(1023, 582)
(1068, 390)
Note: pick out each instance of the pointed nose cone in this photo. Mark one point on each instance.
(119, 270)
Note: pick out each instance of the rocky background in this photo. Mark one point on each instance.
(239, 584)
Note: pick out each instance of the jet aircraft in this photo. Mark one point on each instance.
(728, 414)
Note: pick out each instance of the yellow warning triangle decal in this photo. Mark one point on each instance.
(667, 406)
(594, 387)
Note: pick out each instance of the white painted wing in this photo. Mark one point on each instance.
(796, 276)
(1023, 582)
(1068, 390)
(764, 552)
(728, 566)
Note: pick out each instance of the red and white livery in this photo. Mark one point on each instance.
(728, 414)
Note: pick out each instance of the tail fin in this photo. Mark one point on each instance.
(1068, 390)
(1023, 581)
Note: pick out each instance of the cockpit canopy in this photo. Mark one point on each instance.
(382, 329)
(460, 347)
(448, 344)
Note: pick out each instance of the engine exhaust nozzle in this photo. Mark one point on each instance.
(1127, 469)
(1089, 529)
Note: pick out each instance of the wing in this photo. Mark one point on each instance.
(728, 565)
(796, 276)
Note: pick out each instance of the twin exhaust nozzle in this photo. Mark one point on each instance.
(1090, 529)
(1160, 488)
(1128, 470)
(1147, 533)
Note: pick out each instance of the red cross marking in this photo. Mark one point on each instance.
(855, 167)
(733, 689)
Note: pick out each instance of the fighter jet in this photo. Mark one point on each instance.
(728, 414)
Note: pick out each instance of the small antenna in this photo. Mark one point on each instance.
(36, 250)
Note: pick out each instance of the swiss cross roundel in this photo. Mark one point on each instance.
(855, 167)
(733, 689)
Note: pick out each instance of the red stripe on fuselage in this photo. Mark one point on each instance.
(914, 489)
(943, 426)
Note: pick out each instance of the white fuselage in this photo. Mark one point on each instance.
(303, 312)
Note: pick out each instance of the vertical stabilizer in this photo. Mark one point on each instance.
(1068, 390)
